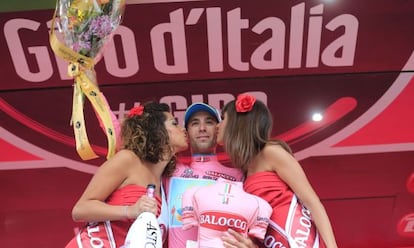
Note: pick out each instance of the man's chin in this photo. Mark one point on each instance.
(204, 148)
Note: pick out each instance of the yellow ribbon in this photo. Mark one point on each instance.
(84, 86)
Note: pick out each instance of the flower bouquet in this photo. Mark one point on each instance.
(83, 29)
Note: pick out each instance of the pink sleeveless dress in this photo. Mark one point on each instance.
(111, 233)
(290, 223)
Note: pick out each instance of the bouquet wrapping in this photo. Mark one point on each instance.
(83, 29)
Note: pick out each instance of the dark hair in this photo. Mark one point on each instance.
(147, 136)
(247, 133)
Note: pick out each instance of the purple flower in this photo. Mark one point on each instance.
(89, 29)
(101, 26)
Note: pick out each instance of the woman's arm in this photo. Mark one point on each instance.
(109, 177)
(291, 172)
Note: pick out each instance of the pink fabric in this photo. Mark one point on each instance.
(223, 205)
(111, 233)
(202, 170)
(291, 221)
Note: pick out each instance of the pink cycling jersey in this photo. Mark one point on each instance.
(203, 170)
(217, 207)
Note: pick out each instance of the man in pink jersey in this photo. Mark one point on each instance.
(200, 120)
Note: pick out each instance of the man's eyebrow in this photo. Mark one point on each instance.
(211, 118)
(194, 119)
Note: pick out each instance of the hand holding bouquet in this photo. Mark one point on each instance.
(84, 27)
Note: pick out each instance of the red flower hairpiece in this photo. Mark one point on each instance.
(137, 110)
(244, 103)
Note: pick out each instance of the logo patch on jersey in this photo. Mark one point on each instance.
(222, 221)
(226, 194)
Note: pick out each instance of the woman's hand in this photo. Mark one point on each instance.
(144, 204)
(233, 239)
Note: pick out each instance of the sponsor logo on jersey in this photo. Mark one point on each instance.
(222, 221)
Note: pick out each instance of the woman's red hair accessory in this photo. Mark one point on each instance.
(244, 103)
(137, 110)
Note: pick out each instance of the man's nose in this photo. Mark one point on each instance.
(203, 126)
